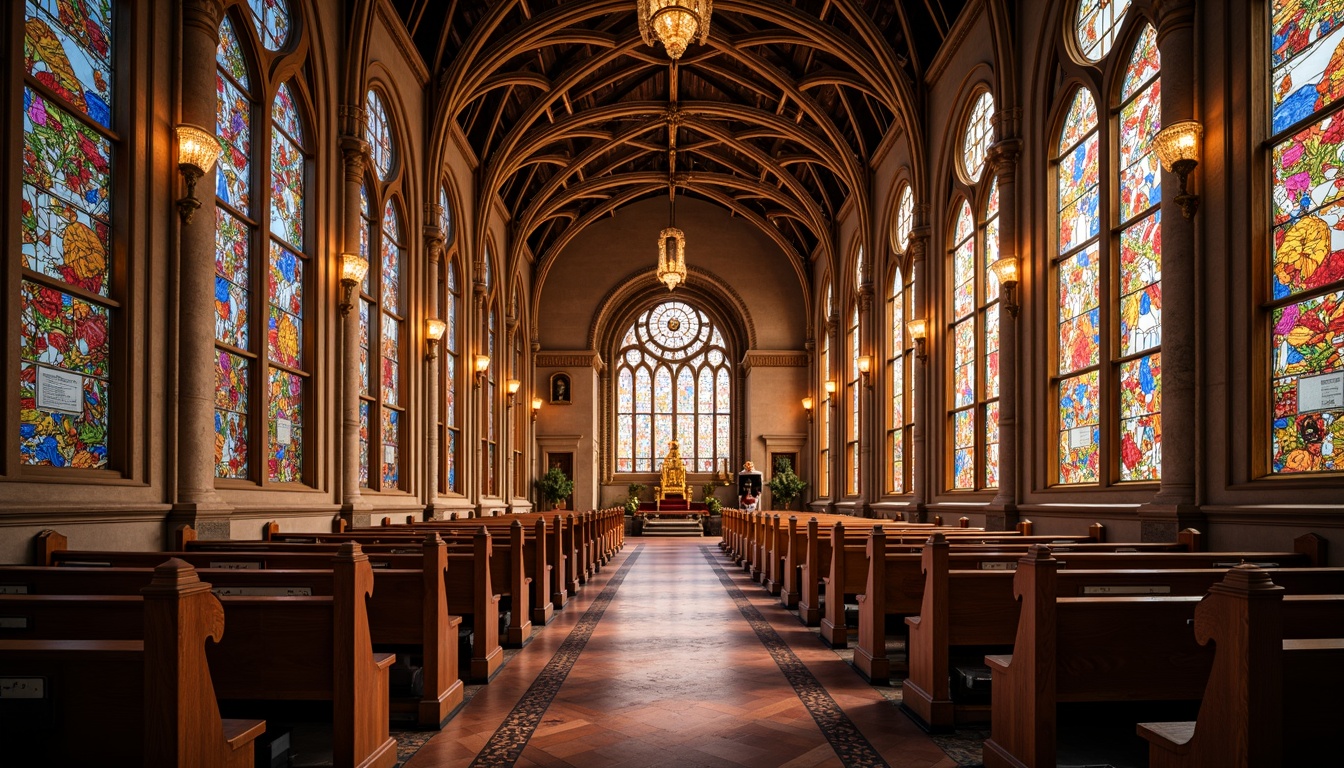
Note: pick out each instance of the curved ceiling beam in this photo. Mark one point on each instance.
(506, 79)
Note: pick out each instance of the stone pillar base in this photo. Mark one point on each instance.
(916, 513)
(357, 514)
(1161, 522)
(1002, 517)
(210, 520)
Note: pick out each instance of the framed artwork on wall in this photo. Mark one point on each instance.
(560, 390)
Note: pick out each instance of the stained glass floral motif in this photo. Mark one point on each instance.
(379, 135)
(1307, 344)
(992, 242)
(1079, 340)
(963, 336)
(287, 169)
(67, 47)
(1144, 64)
(365, 308)
(992, 353)
(271, 18)
(391, 369)
(231, 280)
(979, 132)
(391, 463)
(64, 207)
(363, 443)
(60, 438)
(284, 333)
(1140, 420)
(963, 265)
(992, 445)
(284, 461)
(963, 454)
(672, 379)
(1079, 433)
(905, 217)
(1307, 56)
(231, 407)
(1079, 217)
(1097, 25)
(233, 122)
(1080, 121)
(1308, 239)
(391, 261)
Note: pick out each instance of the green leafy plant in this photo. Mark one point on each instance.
(785, 486)
(712, 502)
(554, 486)
(632, 499)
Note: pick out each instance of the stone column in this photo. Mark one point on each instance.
(869, 480)
(1176, 505)
(919, 243)
(355, 509)
(1001, 514)
(509, 433)
(195, 502)
(434, 246)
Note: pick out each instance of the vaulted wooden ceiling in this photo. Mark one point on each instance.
(572, 115)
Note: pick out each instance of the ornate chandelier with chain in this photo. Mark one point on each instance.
(672, 247)
(676, 23)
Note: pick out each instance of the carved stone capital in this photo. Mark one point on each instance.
(1173, 15)
(1007, 124)
(353, 120)
(865, 297)
(1003, 155)
(203, 15)
(355, 152)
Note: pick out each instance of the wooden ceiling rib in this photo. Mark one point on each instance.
(569, 111)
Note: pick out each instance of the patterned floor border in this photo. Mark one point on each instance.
(508, 741)
(851, 746)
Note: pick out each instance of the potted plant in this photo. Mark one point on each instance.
(555, 487)
(632, 499)
(711, 501)
(785, 486)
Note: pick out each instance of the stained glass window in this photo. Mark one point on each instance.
(905, 218)
(451, 359)
(673, 379)
(976, 140)
(989, 325)
(1140, 193)
(378, 132)
(853, 388)
(491, 403)
(1306, 270)
(271, 18)
(824, 433)
(899, 415)
(963, 335)
(1078, 275)
(236, 362)
(391, 253)
(1097, 25)
(445, 217)
(65, 326)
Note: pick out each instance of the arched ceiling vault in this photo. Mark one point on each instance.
(571, 115)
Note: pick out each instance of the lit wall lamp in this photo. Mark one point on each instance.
(919, 331)
(434, 329)
(197, 151)
(1177, 147)
(353, 269)
(536, 407)
(807, 406)
(866, 370)
(1006, 270)
(830, 390)
(482, 365)
(512, 389)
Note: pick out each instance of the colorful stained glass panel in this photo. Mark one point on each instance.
(1141, 320)
(233, 126)
(1080, 221)
(964, 364)
(1080, 120)
(1311, 80)
(1140, 187)
(992, 352)
(992, 445)
(1079, 435)
(231, 407)
(285, 325)
(391, 367)
(1078, 171)
(363, 443)
(1308, 241)
(1098, 24)
(284, 461)
(286, 190)
(63, 331)
(1308, 337)
(379, 135)
(963, 455)
(365, 308)
(70, 52)
(64, 157)
(1140, 120)
(71, 434)
(1144, 64)
(391, 463)
(1305, 439)
(271, 18)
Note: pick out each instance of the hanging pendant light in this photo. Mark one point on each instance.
(672, 247)
(675, 23)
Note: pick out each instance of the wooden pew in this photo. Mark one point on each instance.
(163, 709)
(1269, 701)
(977, 608)
(1104, 649)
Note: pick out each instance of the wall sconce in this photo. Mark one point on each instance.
(830, 390)
(197, 151)
(434, 329)
(865, 370)
(807, 406)
(1005, 270)
(1177, 146)
(512, 389)
(536, 407)
(482, 365)
(353, 269)
(919, 331)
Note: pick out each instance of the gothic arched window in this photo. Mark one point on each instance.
(852, 404)
(1306, 268)
(828, 388)
(899, 423)
(491, 398)
(452, 358)
(673, 379)
(962, 333)
(260, 373)
(1097, 25)
(65, 295)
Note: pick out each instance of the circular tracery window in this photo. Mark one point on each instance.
(1097, 25)
(975, 143)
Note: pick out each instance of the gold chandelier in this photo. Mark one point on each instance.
(676, 23)
(672, 247)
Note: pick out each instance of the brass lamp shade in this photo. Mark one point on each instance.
(1178, 142)
(197, 148)
(353, 268)
(434, 329)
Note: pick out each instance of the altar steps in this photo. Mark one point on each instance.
(673, 528)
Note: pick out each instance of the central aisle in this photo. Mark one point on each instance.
(673, 657)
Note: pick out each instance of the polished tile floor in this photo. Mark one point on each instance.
(671, 656)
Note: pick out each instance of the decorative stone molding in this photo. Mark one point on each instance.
(774, 358)
(580, 358)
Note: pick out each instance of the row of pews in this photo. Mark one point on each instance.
(1251, 641)
(101, 652)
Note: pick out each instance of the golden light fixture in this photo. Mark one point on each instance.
(536, 407)
(512, 389)
(830, 387)
(675, 23)
(434, 329)
(353, 269)
(482, 365)
(197, 151)
(671, 257)
(865, 369)
(919, 331)
(1005, 270)
(1177, 146)
(807, 406)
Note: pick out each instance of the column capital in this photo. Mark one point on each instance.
(865, 297)
(353, 120)
(1003, 155)
(205, 15)
(919, 243)
(1007, 123)
(434, 237)
(1173, 15)
(355, 152)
